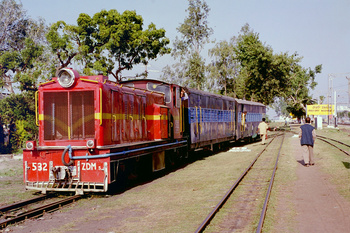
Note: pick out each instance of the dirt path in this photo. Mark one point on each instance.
(318, 205)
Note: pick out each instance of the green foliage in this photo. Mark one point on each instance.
(62, 43)
(195, 69)
(23, 63)
(322, 99)
(195, 33)
(194, 30)
(13, 24)
(280, 106)
(263, 75)
(110, 42)
(258, 67)
(19, 109)
(21, 45)
(343, 114)
(222, 68)
(20, 135)
(105, 40)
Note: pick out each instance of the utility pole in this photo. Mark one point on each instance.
(348, 91)
(330, 92)
(329, 95)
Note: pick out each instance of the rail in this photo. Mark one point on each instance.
(267, 198)
(38, 211)
(211, 215)
(322, 138)
(23, 203)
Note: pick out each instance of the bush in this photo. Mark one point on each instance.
(18, 111)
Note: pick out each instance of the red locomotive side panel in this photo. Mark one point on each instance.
(164, 122)
(172, 101)
(157, 121)
(153, 122)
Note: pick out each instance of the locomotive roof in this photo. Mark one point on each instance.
(199, 92)
(145, 80)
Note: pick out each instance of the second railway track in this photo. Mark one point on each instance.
(337, 144)
(8, 217)
(254, 183)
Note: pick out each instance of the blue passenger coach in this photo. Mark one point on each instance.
(249, 115)
(216, 118)
(211, 118)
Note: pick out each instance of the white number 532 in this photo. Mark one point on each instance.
(39, 166)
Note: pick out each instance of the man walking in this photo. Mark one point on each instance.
(263, 130)
(307, 137)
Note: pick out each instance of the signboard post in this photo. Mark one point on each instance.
(318, 122)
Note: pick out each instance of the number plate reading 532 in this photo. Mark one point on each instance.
(39, 166)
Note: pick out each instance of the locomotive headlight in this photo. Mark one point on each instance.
(30, 145)
(66, 77)
(90, 144)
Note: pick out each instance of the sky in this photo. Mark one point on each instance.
(318, 30)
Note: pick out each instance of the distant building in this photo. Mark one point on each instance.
(343, 108)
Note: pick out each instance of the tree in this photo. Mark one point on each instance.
(108, 42)
(280, 107)
(23, 61)
(63, 43)
(222, 69)
(263, 75)
(297, 95)
(20, 46)
(256, 67)
(195, 33)
(19, 109)
(322, 99)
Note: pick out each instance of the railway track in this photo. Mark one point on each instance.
(7, 216)
(341, 146)
(252, 179)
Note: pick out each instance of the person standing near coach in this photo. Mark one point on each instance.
(263, 130)
(307, 137)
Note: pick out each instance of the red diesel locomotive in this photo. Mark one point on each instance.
(94, 132)
(90, 128)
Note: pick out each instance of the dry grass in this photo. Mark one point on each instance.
(11, 181)
(334, 162)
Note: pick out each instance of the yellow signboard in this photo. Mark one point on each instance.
(320, 109)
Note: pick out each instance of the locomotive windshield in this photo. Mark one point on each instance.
(69, 115)
(163, 88)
